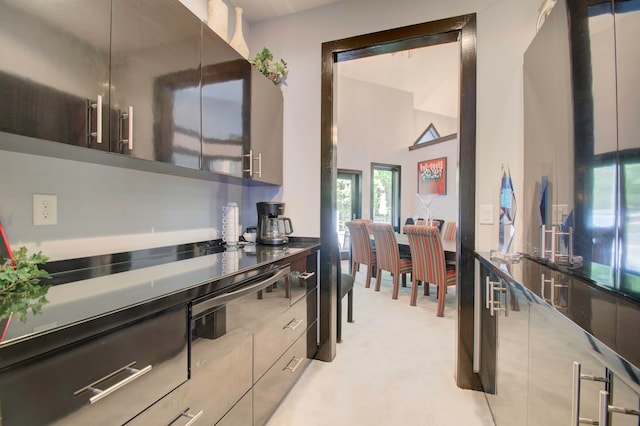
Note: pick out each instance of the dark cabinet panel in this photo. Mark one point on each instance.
(155, 74)
(53, 70)
(224, 94)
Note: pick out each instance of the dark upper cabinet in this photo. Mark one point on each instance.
(265, 129)
(54, 69)
(581, 129)
(627, 24)
(155, 73)
(241, 115)
(223, 99)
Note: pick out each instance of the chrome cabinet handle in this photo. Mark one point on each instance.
(293, 324)
(259, 158)
(99, 393)
(250, 169)
(487, 289)
(575, 393)
(97, 105)
(251, 160)
(127, 116)
(604, 409)
(194, 417)
(306, 275)
(297, 361)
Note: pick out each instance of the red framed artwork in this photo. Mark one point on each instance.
(432, 176)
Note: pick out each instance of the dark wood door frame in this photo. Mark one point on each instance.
(460, 28)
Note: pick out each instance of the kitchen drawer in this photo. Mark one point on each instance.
(222, 380)
(241, 414)
(104, 380)
(275, 384)
(174, 409)
(277, 335)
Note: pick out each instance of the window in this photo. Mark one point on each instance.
(385, 194)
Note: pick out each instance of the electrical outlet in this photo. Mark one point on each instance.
(45, 209)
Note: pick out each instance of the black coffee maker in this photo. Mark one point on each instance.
(273, 228)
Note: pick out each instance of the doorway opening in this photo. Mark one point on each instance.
(462, 29)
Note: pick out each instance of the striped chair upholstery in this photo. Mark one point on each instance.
(361, 249)
(388, 255)
(428, 261)
(449, 233)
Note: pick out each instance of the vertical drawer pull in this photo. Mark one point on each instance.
(99, 393)
(605, 409)
(293, 324)
(97, 105)
(297, 362)
(194, 417)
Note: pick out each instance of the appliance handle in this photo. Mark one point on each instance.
(205, 305)
(288, 229)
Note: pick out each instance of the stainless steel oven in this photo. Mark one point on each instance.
(221, 340)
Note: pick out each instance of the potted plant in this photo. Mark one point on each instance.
(274, 71)
(20, 288)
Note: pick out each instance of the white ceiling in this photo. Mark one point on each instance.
(430, 73)
(262, 10)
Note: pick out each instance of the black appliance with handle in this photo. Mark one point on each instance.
(273, 227)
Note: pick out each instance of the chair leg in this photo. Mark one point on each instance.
(354, 268)
(368, 283)
(378, 276)
(404, 280)
(396, 285)
(350, 306)
(414, 293)
(426, 288)
(441, 298)
(339, 321)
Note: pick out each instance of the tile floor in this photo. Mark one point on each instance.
(394, 367)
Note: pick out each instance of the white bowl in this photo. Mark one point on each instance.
(250, 237)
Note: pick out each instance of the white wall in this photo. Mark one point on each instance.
(505, 28)
(377, 124)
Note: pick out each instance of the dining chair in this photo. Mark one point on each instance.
(388, 255)
(449, 232)
(361, 250)
(345, 288)
(427, 256)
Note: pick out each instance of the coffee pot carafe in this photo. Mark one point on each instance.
(273, 228)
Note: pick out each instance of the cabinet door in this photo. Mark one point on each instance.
(266, 129)
(223, 98)
(106, 380)
(155, 81)
(627, 25)
(547, 127)
(509, 402)
(555, 344)
(54, 67)
(488, 338)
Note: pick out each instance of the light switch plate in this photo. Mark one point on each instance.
(486, 214)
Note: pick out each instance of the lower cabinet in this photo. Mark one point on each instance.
(106, 380)
(240, 414)
(541, 367)
(506, 315)
(275, 384)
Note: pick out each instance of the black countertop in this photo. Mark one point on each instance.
(84, 307)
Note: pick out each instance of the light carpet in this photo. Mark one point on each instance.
(395, 366)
